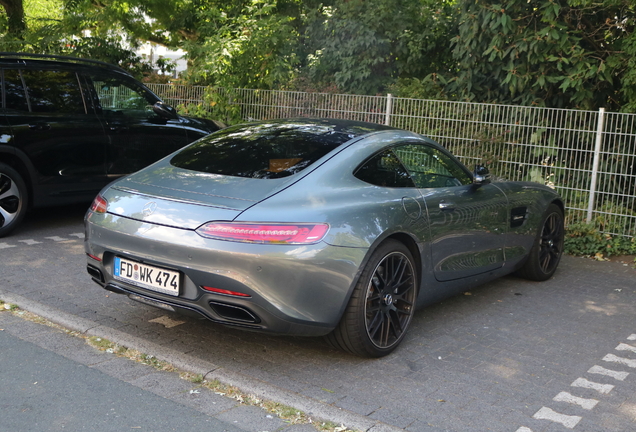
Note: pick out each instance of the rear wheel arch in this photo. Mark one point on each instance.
(412, 246)
(403, 238)
(348, 335)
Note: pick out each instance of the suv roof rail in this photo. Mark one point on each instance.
(16, 55)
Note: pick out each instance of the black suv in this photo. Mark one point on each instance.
(69, 126)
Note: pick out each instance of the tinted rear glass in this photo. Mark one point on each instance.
(267, 150)
(54, 91)
(14, 90)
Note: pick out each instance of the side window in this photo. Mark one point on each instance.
(384, 169)
(431, 168)
(52, 91)
(15, 95)
(118, 97)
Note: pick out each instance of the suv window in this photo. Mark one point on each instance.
(53, 91)
(15, 96)
(117, 96)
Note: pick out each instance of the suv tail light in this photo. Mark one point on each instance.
(264, 233)
(99, 205)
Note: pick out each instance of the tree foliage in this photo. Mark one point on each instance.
(13, 17)
(364, 46)
(556, 53)
(549, 53)
(254, 45)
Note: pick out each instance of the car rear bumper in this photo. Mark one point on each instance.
(287, 289)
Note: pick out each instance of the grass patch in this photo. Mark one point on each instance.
(8, 306)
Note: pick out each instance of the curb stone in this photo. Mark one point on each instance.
(209, 370)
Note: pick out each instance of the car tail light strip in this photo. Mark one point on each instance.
(265, 233)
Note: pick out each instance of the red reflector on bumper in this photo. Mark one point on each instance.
(94, 257)
(226, 292)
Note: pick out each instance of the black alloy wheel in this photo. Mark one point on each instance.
(546, 253)
(551, 243)
(382, 304)
(390, 300)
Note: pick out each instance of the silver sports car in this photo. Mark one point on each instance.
(316, 227)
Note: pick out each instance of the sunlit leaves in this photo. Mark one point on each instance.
(546, 53)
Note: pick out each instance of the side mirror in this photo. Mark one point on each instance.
(481, 175)
(165, 111)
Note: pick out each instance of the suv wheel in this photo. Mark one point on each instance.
(13, 199)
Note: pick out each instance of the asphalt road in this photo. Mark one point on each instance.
(43, 391)
(512, 355)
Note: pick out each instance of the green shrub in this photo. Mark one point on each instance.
(215, 105)
(585, 240)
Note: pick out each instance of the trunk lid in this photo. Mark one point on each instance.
(172, 196)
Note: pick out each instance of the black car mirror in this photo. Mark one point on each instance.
(481, 175)
(164, 110)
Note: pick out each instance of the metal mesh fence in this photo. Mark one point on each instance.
(588, 156)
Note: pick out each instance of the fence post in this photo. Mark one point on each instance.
(597, 157)
(389, 107)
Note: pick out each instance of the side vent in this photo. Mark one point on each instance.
(518, 216)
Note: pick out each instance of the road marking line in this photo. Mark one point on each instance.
(625, 347)
(30, 242)
(601, 388)
(607, 372)
(631, 337)
(587, 404)
(523, 429)
(566, 420)
(616, 359)
(56, 238)
(6, 245)
(78, 235)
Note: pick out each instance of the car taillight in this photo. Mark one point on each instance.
(100, 205)
(264, 233)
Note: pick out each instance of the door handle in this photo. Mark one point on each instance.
(444, 206)
(40, 126)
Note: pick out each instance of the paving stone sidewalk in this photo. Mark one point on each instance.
(499, 358)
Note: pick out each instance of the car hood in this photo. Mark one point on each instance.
(202, 124)
(172, 196)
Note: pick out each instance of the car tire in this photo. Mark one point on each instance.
(13, 199)
(382, 304)
(547, 249)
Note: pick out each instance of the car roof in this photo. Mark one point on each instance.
(349, 127)
(13, 58)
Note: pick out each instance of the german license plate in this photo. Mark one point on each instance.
(146, 276)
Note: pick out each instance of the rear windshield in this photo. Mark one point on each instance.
(265, 151)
